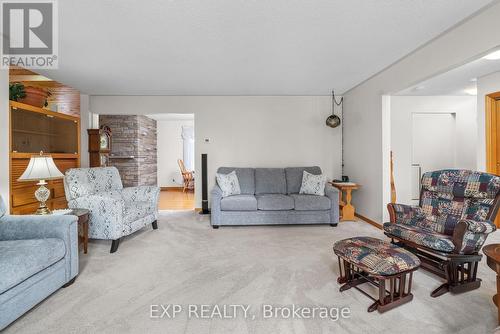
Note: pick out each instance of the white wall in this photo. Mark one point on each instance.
(256, 131)
(363, 145)
(485, 85)
(85, 123)
(402, 108)
(4, 136)
(170, 148)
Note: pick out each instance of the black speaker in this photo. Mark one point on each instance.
(204, 186)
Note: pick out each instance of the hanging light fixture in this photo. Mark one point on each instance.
(333, 120)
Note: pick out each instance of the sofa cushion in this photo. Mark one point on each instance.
(294, 177)
(136, 210)
(426, 238)
(21, 259)
(311, 202)
(239, 203)
(246, 178)
(271, 202)
(270, 181)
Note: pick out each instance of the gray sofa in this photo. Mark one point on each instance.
(270, 196)
(38, 255)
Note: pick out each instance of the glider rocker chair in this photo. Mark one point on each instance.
(446, 231)
(115, 211)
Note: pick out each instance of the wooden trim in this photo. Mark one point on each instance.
(24, 106)
(369, 221)
(18, 155)
(491, 134)
(170, 188)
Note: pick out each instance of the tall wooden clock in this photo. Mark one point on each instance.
(99, 146)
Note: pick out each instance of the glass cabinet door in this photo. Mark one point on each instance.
(33, 132)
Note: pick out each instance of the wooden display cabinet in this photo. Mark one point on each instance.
(33, 130)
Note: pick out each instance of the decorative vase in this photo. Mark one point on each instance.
(34, 96)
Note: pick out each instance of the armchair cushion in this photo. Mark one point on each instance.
(22, 259)
(419, 236)
(407, 214)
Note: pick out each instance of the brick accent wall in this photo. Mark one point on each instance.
(133, 135)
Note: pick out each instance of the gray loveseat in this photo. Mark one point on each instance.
(38, 255)
(270, 196)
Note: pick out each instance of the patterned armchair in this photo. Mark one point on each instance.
(456, 213)
(114, 211)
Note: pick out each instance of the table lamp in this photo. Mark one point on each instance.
(41, 168)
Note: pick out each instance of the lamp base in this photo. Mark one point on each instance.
(43, 210)
(42, 194)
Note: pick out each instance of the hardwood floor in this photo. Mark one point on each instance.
(175, 199)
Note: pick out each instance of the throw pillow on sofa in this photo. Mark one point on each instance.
(228, 183)
(313, 184)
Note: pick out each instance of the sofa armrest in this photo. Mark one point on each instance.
(333, 194)
(106, 215)
(64, 227)
(470, 235)
(215, 211)
(404, 214)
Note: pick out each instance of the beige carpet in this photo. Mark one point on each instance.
(187, 262)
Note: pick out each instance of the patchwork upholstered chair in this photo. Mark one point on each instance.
(114, 211)
(455, 215)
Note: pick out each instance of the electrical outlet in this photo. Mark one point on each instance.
(207, 140)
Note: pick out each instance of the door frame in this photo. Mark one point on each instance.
(491, 132)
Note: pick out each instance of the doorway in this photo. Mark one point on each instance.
(433, 145)
(175, 152)
(492, 137)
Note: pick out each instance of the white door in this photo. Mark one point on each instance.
(433, 144)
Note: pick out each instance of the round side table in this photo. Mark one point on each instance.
(492, 253)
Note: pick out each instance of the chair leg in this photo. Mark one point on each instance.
(155, 225)
(114, 245)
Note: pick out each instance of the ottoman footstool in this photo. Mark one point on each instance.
(386, 266)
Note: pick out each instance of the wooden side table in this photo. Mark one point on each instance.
(83, 227)
(348, 210)
(492, 253)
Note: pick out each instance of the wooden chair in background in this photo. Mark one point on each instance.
(187, 176)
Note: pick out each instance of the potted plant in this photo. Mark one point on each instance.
(16, 91)
(35, 96)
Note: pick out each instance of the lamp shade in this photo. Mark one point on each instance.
(41, 167)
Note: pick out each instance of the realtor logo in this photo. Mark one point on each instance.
(29, 34)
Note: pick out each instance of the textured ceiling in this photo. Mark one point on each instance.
(241, 47)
